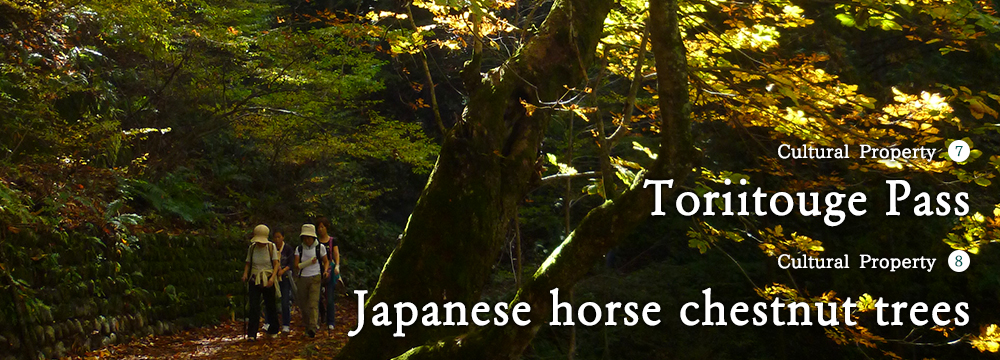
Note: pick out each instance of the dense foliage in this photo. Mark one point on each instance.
(143, 139)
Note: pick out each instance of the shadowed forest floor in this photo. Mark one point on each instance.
(226, 341)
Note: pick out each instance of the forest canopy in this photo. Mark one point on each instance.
(492, 151)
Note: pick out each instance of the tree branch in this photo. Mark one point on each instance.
(633, 90)
(551, 179)
(427, 76)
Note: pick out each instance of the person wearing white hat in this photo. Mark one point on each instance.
(261, 270)
(310, 261)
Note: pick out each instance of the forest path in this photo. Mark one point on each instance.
(226, 341)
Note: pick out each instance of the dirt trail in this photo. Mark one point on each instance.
(226, 341)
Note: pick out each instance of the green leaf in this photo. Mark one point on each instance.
(552, 159)
(891, 25)
(846, 20)
(699, 244)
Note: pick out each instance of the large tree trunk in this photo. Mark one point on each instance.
(604, 226)
(485, 168)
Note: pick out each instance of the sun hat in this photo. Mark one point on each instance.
(260, 234)
(309, 230)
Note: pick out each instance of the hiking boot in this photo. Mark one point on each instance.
(286, 329)
(329, 327)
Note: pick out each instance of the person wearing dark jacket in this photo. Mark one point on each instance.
(328, 300)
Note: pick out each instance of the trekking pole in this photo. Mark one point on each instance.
(246, 304)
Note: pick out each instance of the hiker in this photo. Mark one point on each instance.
(312, 265)
(328, 300)
(261, 270)
(285, 280)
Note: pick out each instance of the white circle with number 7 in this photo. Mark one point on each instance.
(958, 260)
(959, 151)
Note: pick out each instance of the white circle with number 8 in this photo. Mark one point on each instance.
(958, 260)
(959, 151)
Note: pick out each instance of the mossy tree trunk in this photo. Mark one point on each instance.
(486, 167)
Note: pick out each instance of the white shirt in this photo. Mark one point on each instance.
(308, 253)
(262, 256)
(261, 267)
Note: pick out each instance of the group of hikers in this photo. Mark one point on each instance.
(276, 272)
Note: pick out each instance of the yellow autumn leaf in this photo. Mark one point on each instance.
(866, 303)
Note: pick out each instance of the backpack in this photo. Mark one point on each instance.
(318, 258)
